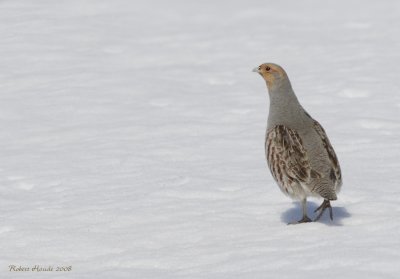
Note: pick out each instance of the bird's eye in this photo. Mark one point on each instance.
(267, 68)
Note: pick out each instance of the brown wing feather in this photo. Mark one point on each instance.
(335, 174)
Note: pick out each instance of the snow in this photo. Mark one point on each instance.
(132, 138)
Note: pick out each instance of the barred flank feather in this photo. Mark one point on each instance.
(287, 159)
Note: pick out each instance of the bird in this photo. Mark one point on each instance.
(298, 151)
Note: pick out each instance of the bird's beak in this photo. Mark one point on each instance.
(256, 70)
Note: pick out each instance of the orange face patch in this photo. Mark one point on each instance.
(271, 72)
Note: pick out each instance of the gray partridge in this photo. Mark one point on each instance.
(299, 154)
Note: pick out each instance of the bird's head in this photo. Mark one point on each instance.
(273, 74)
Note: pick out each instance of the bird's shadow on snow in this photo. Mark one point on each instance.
(294, 214)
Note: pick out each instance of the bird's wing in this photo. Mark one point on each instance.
(287, 158)
(335, 174)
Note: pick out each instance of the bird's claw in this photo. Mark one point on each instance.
(325, 204)
(305, 219)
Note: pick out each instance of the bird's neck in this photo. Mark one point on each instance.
(284, 107)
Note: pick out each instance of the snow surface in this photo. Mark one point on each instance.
(132, 138)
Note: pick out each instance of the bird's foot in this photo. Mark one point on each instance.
(305, 219)
(325, 204)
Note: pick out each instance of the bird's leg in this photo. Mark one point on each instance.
(325, 204)
(305, 218)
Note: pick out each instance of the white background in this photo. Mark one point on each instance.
(132, 138)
